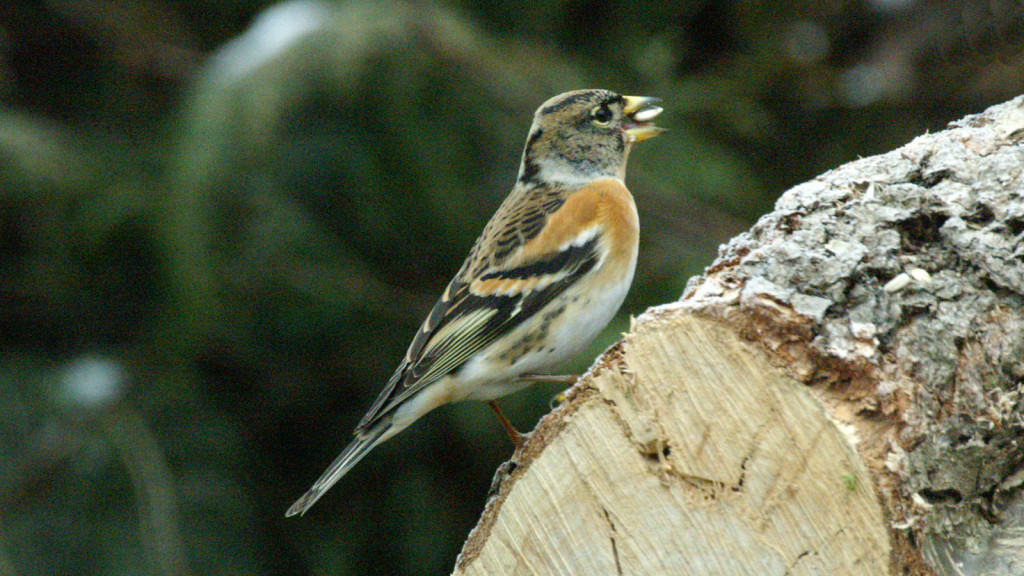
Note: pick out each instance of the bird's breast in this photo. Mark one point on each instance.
(567, 325)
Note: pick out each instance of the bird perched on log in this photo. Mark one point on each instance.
(549, 271)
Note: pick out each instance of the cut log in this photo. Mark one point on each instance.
(839, 393)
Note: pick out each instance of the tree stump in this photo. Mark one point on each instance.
(839, 393)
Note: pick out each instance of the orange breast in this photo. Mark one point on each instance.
(603, 204)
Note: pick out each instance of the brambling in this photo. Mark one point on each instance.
(549, 271)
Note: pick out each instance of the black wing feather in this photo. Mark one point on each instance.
(427, 362)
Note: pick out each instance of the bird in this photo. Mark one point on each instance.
(546, 275)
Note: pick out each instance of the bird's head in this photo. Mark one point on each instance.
(586, 134)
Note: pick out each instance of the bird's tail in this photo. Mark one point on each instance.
(365, 441)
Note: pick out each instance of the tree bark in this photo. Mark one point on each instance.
(839, 393)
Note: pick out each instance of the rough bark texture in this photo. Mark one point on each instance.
(839, 393)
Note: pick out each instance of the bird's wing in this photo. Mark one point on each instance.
(479, 307)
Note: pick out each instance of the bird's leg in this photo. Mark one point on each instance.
(517, 437)
(567, 379)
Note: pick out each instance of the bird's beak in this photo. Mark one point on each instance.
(639, 111)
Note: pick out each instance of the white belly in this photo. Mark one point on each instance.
(486, 376)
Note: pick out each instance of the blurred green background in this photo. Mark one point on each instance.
(221, 223)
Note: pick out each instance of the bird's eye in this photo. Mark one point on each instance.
(602, 115)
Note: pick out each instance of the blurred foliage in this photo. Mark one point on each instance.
(221, 223)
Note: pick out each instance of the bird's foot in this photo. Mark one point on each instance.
(567, 379)
(515, 436)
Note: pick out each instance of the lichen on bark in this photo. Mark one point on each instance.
(908, 268)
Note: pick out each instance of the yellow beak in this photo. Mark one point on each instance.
(639, 111)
